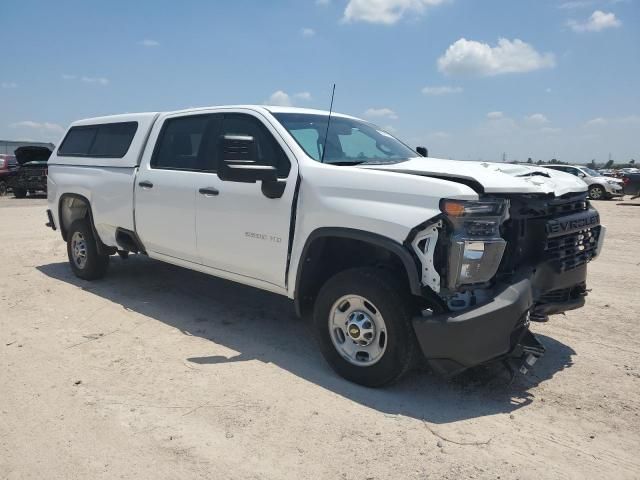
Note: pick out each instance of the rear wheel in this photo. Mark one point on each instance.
(596, 192)
(82, 250)
(362, 321)
(19, 192)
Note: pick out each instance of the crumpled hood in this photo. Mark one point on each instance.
(491, 177)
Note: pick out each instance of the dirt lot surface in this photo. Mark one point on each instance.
(158, 372)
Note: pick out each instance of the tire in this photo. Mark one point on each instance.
(82, 251)
(3, 188)
(383, 298)
(596, 192)
(19, 192)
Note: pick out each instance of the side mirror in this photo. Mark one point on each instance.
(581, 175)
(238, 155)
(422, 151)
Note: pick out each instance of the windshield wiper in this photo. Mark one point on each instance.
(347, 163)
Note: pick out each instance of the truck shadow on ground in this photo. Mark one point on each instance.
(263, 326)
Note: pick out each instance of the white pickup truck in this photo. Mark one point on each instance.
(395, 257)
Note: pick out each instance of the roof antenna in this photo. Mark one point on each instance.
(326, 133)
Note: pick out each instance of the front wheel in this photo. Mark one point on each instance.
(82, 250)
(3, 188)
(596, 192)
(19, 192)
(362, 321)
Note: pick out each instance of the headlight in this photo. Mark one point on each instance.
(476, 248)
(466, 208)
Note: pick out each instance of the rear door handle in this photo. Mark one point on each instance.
(146, 184)
(209, 191)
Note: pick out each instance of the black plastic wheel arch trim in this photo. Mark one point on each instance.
(387, 243)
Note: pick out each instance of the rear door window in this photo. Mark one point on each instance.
(188, 143)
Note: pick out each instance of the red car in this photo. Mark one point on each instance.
(8, 168)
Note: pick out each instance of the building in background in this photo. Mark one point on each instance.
(8, 147)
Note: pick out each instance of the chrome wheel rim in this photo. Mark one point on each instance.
(79, 249)
(357, 330)
(596, 193)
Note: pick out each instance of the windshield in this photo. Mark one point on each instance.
(591, 173)
(349, 141)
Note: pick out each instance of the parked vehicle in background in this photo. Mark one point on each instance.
(8, 168)
(631, 182)
(600, 187)
(394, 257)
(31, 176)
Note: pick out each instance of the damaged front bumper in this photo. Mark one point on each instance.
(455, 341)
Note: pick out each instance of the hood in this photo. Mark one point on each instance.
(486, 177)
(32, 154)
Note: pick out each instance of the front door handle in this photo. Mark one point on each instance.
(146, 184)
(209, 191)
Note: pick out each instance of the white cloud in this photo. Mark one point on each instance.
(594, 122)
(307, 32)
(385, 12)
(443, 90)
(495, 115)
(147, 42)
(9, 85)
(279, 98)
(509, 56)
(597, 22)
(614, 121)
(97, 80)
(536, 119)
(573, 4)
(381, 113)
(47, 126)
(283, 99)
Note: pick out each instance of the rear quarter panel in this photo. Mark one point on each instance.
(107, 183)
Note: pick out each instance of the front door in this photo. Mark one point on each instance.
(238, 228)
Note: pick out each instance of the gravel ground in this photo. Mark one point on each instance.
(158, 372)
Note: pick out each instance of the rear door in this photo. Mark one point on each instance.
(165, 189)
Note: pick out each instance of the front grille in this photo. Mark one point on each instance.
(571, 251)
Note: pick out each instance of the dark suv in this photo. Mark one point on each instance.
(32, 171)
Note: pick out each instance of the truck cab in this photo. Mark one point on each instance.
(394, 258)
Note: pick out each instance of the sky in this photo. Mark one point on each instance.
(468, 79)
